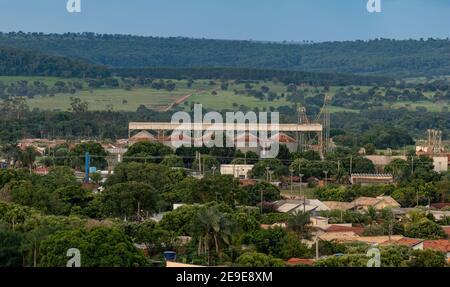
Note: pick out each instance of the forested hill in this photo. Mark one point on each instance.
(15, 62)
(378, 57)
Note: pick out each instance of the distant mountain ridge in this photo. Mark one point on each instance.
(382, 57)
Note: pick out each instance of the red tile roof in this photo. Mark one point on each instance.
(446, 230)
(283, 138)
(42, 170)
(298, 261)
(247, 182)
(440, 205)
(441, 245)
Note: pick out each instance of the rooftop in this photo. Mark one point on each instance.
(441, 245)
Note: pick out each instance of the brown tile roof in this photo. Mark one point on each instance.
(410, 242)
(389, 200)
(283, 138)
(143, 136)
(366, 201)
(336, 205)
(441, 245)
(339, 236)
(340, 228)
(377, 239)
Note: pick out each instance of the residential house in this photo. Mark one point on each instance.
(409, 242)
(337, 205)
(379, 203)
(339, 232)
(420, 244)
(307, 205)
(440, 245)
(439, 214)
(351, 236)
(370, 179)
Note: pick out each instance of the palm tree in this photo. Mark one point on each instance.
(342, 177)
(212, 231)
(298, 222)
(28, 157)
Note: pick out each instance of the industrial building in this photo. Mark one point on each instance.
(239, 171)
(246, 137)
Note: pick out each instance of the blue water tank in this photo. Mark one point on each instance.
(170, 255)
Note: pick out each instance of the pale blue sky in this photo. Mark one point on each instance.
(272, 20)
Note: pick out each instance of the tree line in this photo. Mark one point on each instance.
(15, 62)
(396, 58)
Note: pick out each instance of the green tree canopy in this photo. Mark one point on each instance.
(130, 199)
(147, 152)
(99, 247)
(254, 260)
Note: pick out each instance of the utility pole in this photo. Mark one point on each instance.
(262, 200)
(351, 165)
(417, 197)
(326, 178)
(390, 230)
(203, 167)
(139, 211)
(317, 247)
(292, 185)
(301, 193)
(262, 191)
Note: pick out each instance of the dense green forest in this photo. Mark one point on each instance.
(15, 62)
(405, 58)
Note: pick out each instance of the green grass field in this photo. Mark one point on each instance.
(115, 99)
(431, 107)
(201, 92)
(228, 100)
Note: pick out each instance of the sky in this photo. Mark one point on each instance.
(262, 20)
